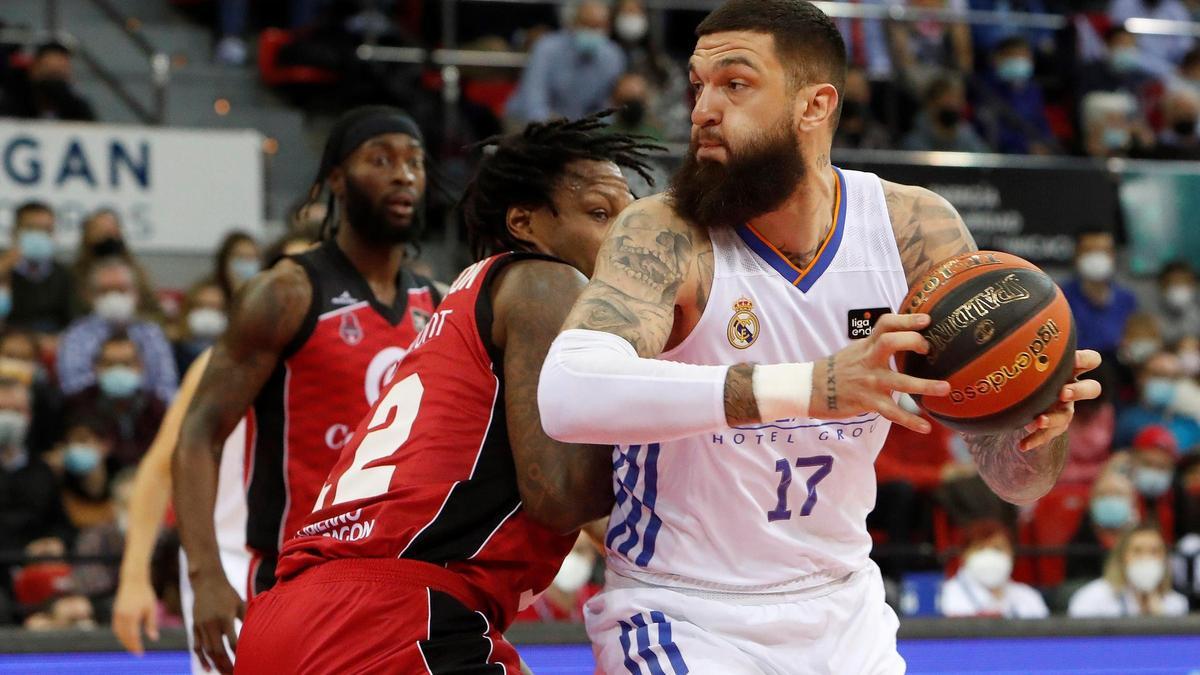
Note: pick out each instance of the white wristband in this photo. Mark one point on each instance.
(783, 390)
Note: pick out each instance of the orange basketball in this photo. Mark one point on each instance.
(1001, 333)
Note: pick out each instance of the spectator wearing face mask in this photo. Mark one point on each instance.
(47, 91)
(120, 398)
(202, 321)
(1136, 581)
(112, 293)
(1158, 53)
(570, 73)
(40, 287)
(81, 460)
(1152, 468)
(1179, 139)
(941, 125)
(1112, 509)
(19, 352)
(238, 260)
(1140, 340)
(632, 100)
(1158, 382)
(983, 585)
(1112, 126)
(1101, 306)
(32, 520)
(857, 127)
(1175, 305)
(103, 237)
(1014, 111)
(1121, 70)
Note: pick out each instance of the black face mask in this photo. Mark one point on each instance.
(948, 117)
(632, 113)
(109, 246)
(1184, 128)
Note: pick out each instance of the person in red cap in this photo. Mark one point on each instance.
(1152, 467)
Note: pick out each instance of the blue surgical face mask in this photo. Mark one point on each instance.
(81, 458)
(589, 40)
(119, 381)
(1115, 138)
(5, 302)
(243, 269)
(1158, 392)
(1151, 482)
(1111, 511)
(1015, 70)
(1126, 60)
(36, 246)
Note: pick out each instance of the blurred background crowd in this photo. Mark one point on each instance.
(92, 341)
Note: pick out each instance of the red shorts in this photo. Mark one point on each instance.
(371, 616)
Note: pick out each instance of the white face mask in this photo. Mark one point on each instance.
(990, 567)
(1179, 296)
(631, 27)
(574, 573)
(116, 306)
(1095, 266)
(1145, 574)
(1140, 349)
(206, 323)
(1189, 362)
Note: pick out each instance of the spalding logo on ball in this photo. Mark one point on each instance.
(1001, 333)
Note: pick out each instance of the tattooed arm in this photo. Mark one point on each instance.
(562, 486)
(268, 313)
(1023, 464)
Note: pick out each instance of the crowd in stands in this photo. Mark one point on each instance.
(90, 355)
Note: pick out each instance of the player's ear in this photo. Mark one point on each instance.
(816, 106)
(337, 182)
(519, 221)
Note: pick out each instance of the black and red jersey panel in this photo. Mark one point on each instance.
(334, 370)
(429, 474)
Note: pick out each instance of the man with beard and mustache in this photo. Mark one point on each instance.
(310, 345)
(735, 344)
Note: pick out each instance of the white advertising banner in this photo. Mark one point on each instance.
(175, 190)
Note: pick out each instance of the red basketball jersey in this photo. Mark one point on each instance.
(429, 474)
(329, 376)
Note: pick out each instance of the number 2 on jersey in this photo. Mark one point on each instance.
(824, 464)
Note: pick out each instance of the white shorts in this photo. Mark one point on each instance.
(237, 569)
(840, 628)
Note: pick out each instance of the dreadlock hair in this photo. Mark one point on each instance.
(524, 168)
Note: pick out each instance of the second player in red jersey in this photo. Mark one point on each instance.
(450, 509)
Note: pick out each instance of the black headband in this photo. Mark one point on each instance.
(359, 126)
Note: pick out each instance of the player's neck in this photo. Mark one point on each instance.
(379, 265)
(801, 223)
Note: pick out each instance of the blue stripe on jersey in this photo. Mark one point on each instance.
(650, 494)
(624, 493)
(668, 644)
(630, 665)
(644, 649)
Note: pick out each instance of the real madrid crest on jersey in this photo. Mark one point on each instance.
(743, 327)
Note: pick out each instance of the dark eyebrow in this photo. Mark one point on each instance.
(727, 62)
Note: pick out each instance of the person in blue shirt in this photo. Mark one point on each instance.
(570, 73)
(1101, 306)
(1157, 381)
(1013, 111)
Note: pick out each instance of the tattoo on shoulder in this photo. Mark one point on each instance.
(1015, 476)
(704, 280)
(928, 229)
(639, 271)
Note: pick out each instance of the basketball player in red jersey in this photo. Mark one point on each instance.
(451, 509)
(310, 345)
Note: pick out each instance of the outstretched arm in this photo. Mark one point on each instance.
(563, 486)
(135, 603)
(268, 313)
(1023, 464)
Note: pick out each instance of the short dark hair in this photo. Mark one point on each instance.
(524, 168)
(52, 47)
(30, 207)
(1010, 43)
(1174, 267)
(807, 41)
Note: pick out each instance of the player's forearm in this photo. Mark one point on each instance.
(1015, 476)
(147, 506)
(194, 470)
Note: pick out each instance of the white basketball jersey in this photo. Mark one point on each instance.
(779, 506)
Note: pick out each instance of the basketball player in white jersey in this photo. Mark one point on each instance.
(724, 345)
